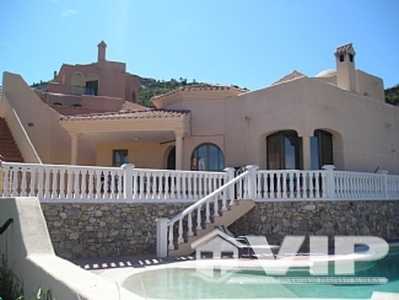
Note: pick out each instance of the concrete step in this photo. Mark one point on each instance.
(227, 218)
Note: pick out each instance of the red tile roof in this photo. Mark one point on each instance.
(127, 114)
(294, 75)
(200, 87)
(344, 49)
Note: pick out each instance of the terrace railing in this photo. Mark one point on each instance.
(60, 183)
(52, 183)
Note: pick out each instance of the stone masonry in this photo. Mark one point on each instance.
(112, 229)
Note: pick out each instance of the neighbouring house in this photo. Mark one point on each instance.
(88, 115)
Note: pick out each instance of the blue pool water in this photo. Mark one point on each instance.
(189, 283)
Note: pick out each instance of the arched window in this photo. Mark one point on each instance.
(207, 157)
(321, 148)
(284, 150)
(77, 83)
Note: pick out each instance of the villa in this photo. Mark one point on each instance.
(314, 156)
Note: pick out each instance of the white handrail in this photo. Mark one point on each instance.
(208, 197)
(224, 193)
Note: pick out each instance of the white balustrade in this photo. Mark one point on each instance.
(85, 183)
(203, 209)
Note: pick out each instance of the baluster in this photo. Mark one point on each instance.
(45, 183)
(207, 213)
(195, 187)
(171, 245)
(216, 207)
(260, 187)
(76, 177)
(184, 186)
(15, 185)
(190, 225)
(100, 182)
(168, 179)
(6, 185)
(142, 184)
(290, 185)
(120, 185)
(272, 193)
(189, 190)
(312, 180)
(172, 185)
(180, 239)
(317, 187)
(23, 181)
(90, 184)
(135, 182)
(201, 185)
(199, 221)
(61, 193)
(178, 186)
(324, 185)
(32, 182)
(224, 201)
(52, 177)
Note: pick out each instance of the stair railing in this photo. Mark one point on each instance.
(236, 188)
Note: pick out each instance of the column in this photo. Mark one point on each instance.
(74, 147)
(306, 152)
(179, 148)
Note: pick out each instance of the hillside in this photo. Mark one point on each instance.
(392, 95)
(150, 87)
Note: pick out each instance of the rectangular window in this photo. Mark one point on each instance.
(120, 157)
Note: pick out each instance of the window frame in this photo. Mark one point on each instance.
(207, 164)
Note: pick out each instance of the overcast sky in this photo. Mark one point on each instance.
(249, 43)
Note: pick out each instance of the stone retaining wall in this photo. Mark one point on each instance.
(109, 229)
(278, 219)
(97, 230)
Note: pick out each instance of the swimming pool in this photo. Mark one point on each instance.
(247, 280)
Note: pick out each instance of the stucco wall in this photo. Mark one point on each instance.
(372, 85)
(142, 155)
(50, 140)
(27, 247)
(363, 136)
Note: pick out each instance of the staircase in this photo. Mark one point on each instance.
(8, 148)
(223, 206)
(228, 217)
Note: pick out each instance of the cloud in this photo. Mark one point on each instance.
(68, 12)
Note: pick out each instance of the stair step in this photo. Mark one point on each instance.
(8, 148)
(227, 218)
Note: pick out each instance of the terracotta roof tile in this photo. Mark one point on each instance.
(127, 114)
(200, 87)
(294, 75)
(344, 49)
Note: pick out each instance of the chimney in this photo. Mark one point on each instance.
(55, 75)
(346, 74)
(101, 51)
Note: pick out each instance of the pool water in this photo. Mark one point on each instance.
(193, 283)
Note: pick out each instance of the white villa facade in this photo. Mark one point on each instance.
(338, 117)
